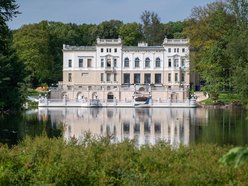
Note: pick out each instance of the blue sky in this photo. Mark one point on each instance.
(97, 11)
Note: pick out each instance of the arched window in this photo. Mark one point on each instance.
(137, 62)
(158, 62)
(126, 62)
(147, 62)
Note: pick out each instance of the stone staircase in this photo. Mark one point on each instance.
(200, 96)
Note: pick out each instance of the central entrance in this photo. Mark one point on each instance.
(110, 97)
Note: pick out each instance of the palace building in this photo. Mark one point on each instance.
(111, 71)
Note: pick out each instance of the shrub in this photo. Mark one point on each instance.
(97, 161)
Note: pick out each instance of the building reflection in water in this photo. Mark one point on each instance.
(145, 125)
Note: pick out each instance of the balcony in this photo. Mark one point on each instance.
(110, 69)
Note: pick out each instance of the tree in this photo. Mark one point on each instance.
(11, 69)
(131, 33)
(109, 29)
(152, 28)
(174, 30)
(32, 45)
(208, 29)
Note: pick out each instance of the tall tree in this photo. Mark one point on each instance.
(152, 28)
(109, 29)
(131, 33)
(11, 69)
(208, 30)
(32, 45)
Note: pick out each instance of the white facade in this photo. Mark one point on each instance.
(110, 70)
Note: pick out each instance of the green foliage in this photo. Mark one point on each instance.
(109, 29)
(218, 35)
(236, 156)
(11, 68)
(131, 33)
(44, 161)
(152, 28)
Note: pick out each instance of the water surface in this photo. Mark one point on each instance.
(146, 125)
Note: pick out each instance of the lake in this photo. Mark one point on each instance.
(177, 126)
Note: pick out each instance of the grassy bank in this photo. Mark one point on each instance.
(226, 99)
(43, 161)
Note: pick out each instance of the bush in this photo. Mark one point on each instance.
(44, 161)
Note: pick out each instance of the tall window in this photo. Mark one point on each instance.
(177, 50)
(176, 64)
(108, 77)
(69, 77)
(176, 77)
(115, 49)
(102, 77)
(126, 78)
(80, 63)
(182, 77)
(115, 77)
(157, 78)
(136, 79)
(69, 63)
(137, 62)
(147, 62)
(169, 62)
(115, 62)
(182, 62)
(108, 63)
(126, 62)
(147, 78)
(169, 50)
(89, 63)
(158, 62)
(169, 77)
(101, 49)
(183, 50)
(102, 62)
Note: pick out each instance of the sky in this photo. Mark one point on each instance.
(97, 11)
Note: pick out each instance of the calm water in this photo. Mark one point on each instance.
(145, 125)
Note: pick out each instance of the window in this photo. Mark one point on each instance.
(176, 63)
(177, 50)
(182, 62)
(69, 63)
(147, 62)
(80, 63)
(108, 77)
(115, 49)
(89, 63)
(107, 49)
(183, 50)
(115, 62)
(101, 49)
(176, 77)
(169, 77)
(110, 50)
(147, 78)
(169, 50)
(102, 62)
(126, 78)
(157, 62)
(102, 77)
(169, 62)
(182, 77)
(126, 62)
(115, 77)
(137, 62)
(136, 79)
(157, 78)
(108, 63)
(69, 77)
